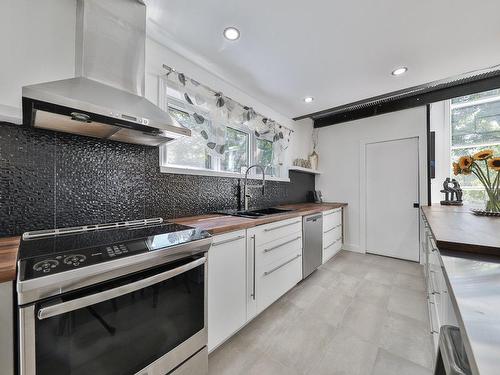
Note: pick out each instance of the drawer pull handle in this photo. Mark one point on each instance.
(281, 265)
(253, 278)
(328, 246)
(72, 305)
(333, 243)
(281, 226)
(433, 243)
(431, 281)
(228, 240)
(335, 227)
(331, 213)
(280, 245)
(430, 318)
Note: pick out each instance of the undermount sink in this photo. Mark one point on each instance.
(254, 214)
(271, 211)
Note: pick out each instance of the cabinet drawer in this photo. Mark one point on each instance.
(270, 232)
(331, 236)
(277, 278)
(332, 249)
(282, 248)
(434, 310)
(332, 218)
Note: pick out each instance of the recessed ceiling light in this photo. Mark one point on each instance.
(308, 99)
(399, 71)
(231, 33)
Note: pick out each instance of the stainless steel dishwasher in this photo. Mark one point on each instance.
(312, 249)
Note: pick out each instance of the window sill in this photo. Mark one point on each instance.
(205, 172)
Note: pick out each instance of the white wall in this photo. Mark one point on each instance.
(37, 39)
(339, 160)
(440, 118)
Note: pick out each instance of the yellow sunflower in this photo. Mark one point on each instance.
(466, 171)
(494, 163)
(456, 169)
(481, 155)
(465, 162)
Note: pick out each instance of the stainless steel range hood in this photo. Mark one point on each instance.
(106, 99)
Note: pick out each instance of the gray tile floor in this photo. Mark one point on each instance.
(356, 315)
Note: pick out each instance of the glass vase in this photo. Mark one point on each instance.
(493, 200)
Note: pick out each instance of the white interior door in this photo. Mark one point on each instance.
(391, 191)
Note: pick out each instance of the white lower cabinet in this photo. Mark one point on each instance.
(248, 270)
(227, 303)
(439, 302)
(332, 233)
(274, 261)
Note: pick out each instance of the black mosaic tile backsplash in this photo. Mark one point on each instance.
(50, 179)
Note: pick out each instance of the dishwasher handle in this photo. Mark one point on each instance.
(313, 218)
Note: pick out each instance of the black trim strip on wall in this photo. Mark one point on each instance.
(465, 84)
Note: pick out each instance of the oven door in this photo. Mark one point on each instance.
(146, 323)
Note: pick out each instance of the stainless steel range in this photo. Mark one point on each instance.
(119, 298)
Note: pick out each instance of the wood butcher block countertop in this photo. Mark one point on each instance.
(8, 258)
(217, 224)
(457, 229)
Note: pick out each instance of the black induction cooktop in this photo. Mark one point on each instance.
(53, 254)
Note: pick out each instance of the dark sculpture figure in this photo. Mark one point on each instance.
(452, 193)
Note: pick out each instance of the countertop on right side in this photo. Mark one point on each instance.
(456, 228)
(474, 286)
(469, 248)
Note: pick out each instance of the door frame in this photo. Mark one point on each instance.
(422, 184)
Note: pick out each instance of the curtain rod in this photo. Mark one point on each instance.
(170, 69)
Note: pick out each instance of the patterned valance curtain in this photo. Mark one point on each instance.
(212, 112)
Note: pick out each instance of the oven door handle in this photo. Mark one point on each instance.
(64, 307)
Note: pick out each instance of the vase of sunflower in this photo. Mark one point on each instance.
(489, 175)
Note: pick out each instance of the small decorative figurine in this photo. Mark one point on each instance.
(452, 193)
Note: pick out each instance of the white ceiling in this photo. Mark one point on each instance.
(335, 51)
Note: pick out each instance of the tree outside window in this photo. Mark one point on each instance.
(475, 125)
(264, 154)
(236, 154)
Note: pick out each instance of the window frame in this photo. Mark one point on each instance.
(449, 107)
(210, 160)
(216, 169)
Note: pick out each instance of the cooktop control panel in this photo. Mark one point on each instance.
(45, 265)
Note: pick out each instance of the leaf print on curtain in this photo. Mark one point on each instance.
(228, 129)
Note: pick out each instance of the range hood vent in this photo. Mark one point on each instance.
(106, 98)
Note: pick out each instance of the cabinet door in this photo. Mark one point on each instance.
(227, 265)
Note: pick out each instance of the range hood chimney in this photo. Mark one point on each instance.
(106, 98)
